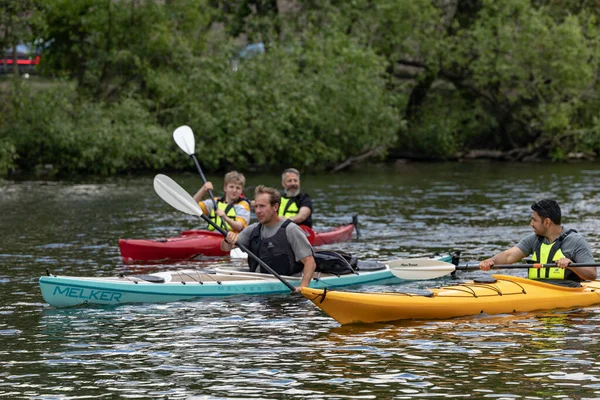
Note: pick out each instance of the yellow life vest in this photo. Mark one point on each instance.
(229, 211)
(288, 208)
(548, 253)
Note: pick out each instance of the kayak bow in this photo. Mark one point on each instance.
(161, 287)
(502, 295)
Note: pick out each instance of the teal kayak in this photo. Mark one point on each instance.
(162, 287)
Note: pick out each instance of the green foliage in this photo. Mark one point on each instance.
(8, 156)
(258, 20)
(533, 71)
(60, 134)
(337, 79)
(440, 131)
(310, 104)
(111, 46)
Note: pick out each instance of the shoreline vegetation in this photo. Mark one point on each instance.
(331, 85)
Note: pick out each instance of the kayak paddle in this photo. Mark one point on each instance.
(178, 198)
(184, 137)
(423, 268)
(237, 253)
(355, 223)
(420, 268)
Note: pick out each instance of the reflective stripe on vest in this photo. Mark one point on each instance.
(229, 211)
(288, 208)
(547, 253)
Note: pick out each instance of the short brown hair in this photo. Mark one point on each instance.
(274, 195)
(235, 177)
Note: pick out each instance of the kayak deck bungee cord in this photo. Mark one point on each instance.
(502, 295)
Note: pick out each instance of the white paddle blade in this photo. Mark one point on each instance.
(412, 269)
(237, 253)
(175, 195)
(184, 137)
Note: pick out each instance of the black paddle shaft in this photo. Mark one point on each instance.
(261, 262)
(475, 266)
(204, 179)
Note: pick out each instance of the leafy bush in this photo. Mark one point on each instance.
(308, 104)
(8, 156)
(63, 134)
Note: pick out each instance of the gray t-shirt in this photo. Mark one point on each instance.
(295, 236)
(574, 247)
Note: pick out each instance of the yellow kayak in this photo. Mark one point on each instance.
(508, 294)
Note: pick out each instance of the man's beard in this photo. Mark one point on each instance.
(292, 192)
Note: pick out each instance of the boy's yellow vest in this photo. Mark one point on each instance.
(229, 211)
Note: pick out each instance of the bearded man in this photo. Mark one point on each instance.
(295, 205)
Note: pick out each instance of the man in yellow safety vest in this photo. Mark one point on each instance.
(550, 243)
(295, 205)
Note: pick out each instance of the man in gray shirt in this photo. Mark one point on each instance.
(550, 243)
(276, 240)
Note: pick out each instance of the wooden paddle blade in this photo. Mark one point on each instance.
(419, 268)
(175, 195)
(184, 137)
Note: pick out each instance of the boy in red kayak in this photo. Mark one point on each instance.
(233, 209)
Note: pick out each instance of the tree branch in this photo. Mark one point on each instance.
(352, 160)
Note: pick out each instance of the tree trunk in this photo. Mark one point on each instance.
(418, 96)
(15, 58)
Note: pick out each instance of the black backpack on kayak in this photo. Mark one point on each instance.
(335, 262)
(339, 262)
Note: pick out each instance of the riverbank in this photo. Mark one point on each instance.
(52, 131)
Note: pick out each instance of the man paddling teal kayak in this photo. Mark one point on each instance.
(550, 242)
(276, 240)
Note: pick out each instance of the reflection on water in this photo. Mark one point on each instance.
(282, 346)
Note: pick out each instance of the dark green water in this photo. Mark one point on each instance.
(282, 346)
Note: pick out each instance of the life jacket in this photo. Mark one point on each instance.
(275, 251)
(290, 206)
(547, 253)
(229, 211)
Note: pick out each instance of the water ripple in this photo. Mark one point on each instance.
(282, 346)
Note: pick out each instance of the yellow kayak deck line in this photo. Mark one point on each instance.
(509, 294)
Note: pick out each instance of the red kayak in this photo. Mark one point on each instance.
(202, 242)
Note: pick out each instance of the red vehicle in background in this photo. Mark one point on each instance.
(26, 60)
